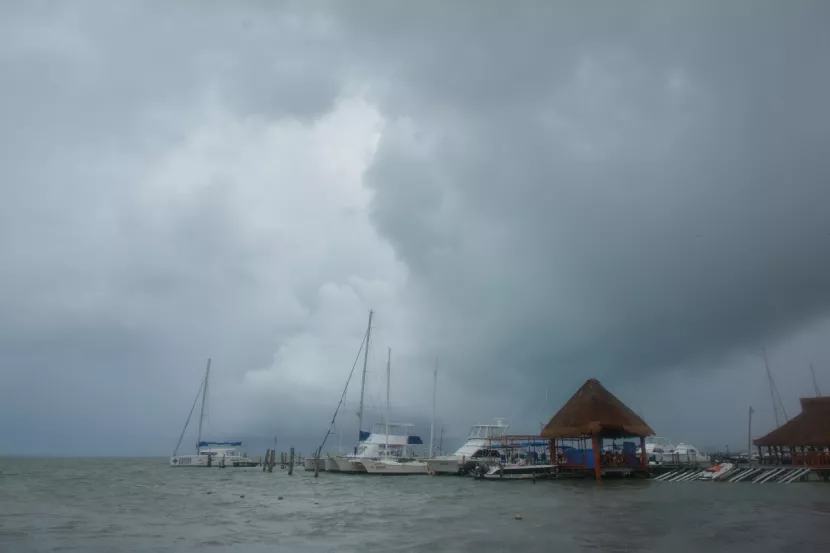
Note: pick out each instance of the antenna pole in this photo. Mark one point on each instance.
(432, 421)
(363, 383)
(388, 373)
(202, 409)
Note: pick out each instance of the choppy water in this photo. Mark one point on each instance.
(114, 505)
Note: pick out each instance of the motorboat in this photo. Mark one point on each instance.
(656, 449)
(715, 472)
(686, 454)
(479, 446)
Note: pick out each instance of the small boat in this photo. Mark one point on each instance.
(516, 472)
(716, 472)
(209, 454)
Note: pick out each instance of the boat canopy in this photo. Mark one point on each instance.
(223, 444)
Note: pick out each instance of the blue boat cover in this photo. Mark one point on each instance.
(522, 444)
(364, 435)
(415, 440)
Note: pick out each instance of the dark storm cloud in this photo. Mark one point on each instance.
(609, 190)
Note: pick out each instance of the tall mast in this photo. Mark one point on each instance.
(388, 373)
(773, 392)
(815, 384)
(202, 408)
(441, 443)
(432, 421)
(363, 383)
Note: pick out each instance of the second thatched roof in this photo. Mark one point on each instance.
(811, 427)
(594, 411)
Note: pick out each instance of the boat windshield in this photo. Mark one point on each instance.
(488, 432)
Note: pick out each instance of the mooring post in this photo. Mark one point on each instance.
(597, 468)
(270, 460)
(317, 463)
(291, 462)
(264, 460)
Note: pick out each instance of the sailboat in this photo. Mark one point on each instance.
(397, 464)
(209, 454)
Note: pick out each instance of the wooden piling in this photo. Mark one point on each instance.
(291, 462)
(270, 460)
(264, 460)
(317, 463)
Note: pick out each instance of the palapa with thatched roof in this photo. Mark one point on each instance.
(594, 411)
(807, 435)
(809, 428)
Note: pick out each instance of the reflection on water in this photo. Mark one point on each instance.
(145, 505)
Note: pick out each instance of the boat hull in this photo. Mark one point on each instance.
(205, 461)
(350, 465)
(396, 468)
(444, 466)
(331, 464)
(308, 463)
(518, 472)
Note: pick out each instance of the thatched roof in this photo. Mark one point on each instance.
(811, 427)
(593, 410)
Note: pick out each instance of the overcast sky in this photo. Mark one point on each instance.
(534, 193)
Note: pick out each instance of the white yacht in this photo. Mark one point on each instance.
(686, 454)
(209, 454)
(656, 449)
(479, 445)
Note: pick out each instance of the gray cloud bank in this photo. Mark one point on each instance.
(533, 194)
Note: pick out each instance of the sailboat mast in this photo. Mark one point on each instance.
(432, 421)
(773, 392)
(202, 408)
(363, 383)
(388, 374)
(441, 443)
(815, 384)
